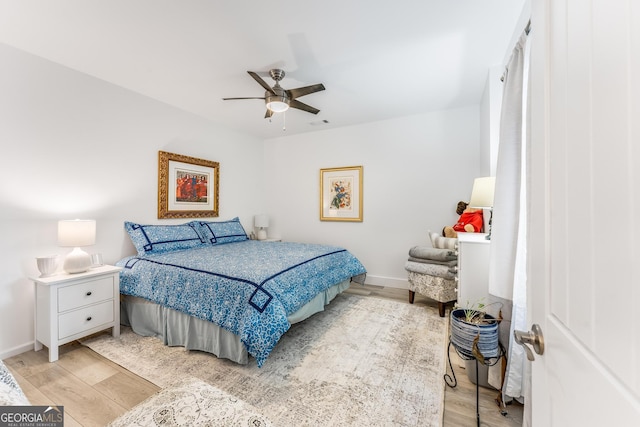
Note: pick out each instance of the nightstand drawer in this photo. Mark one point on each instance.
(90, 292)
(84, 319)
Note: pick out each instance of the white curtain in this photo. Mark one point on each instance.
(508, 242)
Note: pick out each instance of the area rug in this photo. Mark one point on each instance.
(364, 361)
(193, 403)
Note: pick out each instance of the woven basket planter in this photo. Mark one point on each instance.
(464, 333)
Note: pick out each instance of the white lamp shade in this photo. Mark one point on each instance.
(482, 193)
(76, 232)
(261, 221)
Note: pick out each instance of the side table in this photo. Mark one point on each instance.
(72, 306)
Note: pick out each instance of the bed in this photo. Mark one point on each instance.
(206, 286)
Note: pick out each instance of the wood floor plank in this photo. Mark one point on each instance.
(144, 384)
(30, 363)
(85, 404)
(69, 421)
(86, 367)
(125, 390)
(32, 392)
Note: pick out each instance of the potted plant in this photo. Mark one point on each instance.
(474, 333)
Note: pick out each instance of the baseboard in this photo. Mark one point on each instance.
(390, 282)
(16, 350)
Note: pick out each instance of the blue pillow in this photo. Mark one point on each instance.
(221, 231)
(156, 239)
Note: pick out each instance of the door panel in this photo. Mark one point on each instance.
(584, 265)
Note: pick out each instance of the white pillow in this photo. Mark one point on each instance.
(441, 242)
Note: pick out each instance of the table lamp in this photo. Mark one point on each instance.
(261, 222)
(482, 196)
(77, 233)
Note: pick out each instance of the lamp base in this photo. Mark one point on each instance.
(77, 261)
(262, 234)
(488, 236)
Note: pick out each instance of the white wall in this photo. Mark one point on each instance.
(416, 169)
(74, 146)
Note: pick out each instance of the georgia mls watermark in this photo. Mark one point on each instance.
(31, 416)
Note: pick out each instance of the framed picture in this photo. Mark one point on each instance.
(187, 187)
(341, 194)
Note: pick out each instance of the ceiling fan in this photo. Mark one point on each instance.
(278, 99)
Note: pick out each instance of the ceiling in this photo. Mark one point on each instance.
(377, 59)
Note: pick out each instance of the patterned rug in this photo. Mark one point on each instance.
(193, 403)
(363, 361)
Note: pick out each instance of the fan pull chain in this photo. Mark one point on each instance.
(284, 121)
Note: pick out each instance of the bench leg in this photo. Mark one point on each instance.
(441, 308)
(412, 295)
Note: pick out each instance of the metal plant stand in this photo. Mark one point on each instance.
(453, 382)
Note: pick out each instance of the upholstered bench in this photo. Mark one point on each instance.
(437, 288)
(432, 270)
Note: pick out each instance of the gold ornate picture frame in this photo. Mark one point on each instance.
(341, 194)
(187, 186)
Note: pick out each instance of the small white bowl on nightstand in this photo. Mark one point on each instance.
(47, 265)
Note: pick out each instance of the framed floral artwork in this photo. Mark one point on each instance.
(341, 194)
(187, 186)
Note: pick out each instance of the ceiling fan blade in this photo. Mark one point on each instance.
(251, 97)
(268, 114)
(302, 91)
(261, 82)
(304, 107)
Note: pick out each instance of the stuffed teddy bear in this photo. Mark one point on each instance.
(471, 221)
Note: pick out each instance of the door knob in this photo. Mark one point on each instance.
(534, 337)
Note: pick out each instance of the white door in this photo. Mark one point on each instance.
(584, 230)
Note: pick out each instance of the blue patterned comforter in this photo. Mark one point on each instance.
(248, 288)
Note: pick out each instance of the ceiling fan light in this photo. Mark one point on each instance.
(277, 104)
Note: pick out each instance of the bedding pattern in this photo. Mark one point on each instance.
(248, 288)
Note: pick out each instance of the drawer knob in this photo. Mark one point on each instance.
(88, 318)
(89, 293)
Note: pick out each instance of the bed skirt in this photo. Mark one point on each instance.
(178, 329)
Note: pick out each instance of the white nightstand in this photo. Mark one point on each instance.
(72, 306)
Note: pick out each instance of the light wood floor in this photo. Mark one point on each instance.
(95, 391)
